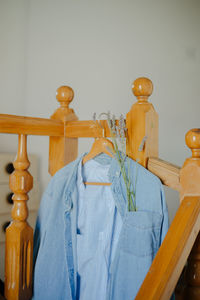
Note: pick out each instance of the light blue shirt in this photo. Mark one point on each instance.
(64, 261)
(99, 226)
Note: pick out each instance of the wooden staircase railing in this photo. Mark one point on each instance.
(64, 129)
(175, 249)
(168, 264)
(19, 235)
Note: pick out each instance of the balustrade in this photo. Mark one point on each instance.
(19, 235)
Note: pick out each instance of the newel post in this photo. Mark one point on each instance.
(62, 150)
(190, 186)
(142, 124)
(19, 235)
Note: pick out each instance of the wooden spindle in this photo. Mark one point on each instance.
(142, 121)
(19, 235)
(190, 185)
(62, 150)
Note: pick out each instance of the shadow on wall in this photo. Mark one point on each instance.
(172, 199)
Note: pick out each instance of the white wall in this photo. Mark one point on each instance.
(99, 48)
(13, 34)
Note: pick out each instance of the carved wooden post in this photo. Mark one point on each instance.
(19, 235)
(62, 150)
(142, 121)
(190, 185)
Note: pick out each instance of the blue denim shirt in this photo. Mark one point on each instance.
(99, 225)
(55, 238)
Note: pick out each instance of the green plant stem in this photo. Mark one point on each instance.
(131, 203)
(131, 197)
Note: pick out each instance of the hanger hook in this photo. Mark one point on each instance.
(103, 129)
(99, 123)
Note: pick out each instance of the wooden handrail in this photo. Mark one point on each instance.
(30, 126)
(51, 127)
(168, 173)
(172, 255)
(87, 128)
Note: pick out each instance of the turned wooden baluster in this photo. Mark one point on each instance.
(19, 235)
(142, 121)
(190, 185)
(62, 150)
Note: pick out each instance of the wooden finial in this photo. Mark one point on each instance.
(142, 124)
(142, 88)
(192, 140)
(64, 95)
(62, 150)
(190, 172)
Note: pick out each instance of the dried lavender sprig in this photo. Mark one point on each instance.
(121, 159)
(94, 117)
(119, 132)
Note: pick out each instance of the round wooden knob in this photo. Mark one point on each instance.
(142, 88)
(64, 95)
(192, 140)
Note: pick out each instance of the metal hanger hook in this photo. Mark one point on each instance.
(99, 123)
(103, 129)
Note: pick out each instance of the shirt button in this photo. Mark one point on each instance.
(69, 243)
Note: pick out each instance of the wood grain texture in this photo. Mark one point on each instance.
(142, 122)
(151, 132)
(190, 172)
(168, 173)
(63, 150)
(69, 127)
(30, 126)
(190, 185)
(19, 235)
(87, 128)
(172, 255)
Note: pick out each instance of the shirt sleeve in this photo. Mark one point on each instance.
(40, 225)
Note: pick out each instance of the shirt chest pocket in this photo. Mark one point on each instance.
(141, 233)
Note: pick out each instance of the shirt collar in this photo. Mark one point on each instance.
(76, 174)
(103, 159)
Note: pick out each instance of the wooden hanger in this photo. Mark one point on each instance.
(100, 145)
